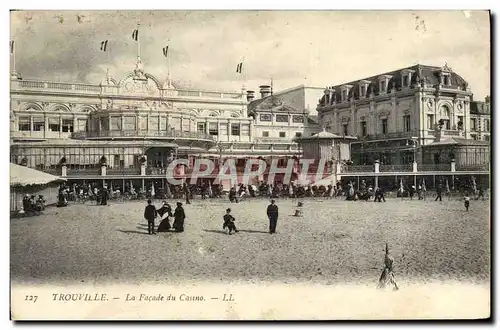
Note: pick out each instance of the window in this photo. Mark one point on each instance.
(430, 121)
(460, 123)
(201, 127)
(213, 128)
(363, 128)
(384, 126)
(223, 129)
(473, 136)
(24, 124)
(235, 129)
(407, 123)
(344, 95)
(265, 134)
(115, 124)
(154, 123)
(383, 86)
(54, 124)
(446, 124)
(129, 123)
(185, 125)
(345, 129)
(487, 138)
(298, 119)
(487, 125)
(83, 125)
(282, 134)
(362, 90)
(446, 80)
(67, 125)
(405, 81)
(282, 118)
(298, 134)
(473, 124)
(245, 129)
(265, 117)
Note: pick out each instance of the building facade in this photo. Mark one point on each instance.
(139, 120)
(394, 115)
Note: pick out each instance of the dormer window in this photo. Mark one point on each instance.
(406, 77)
(383, 83)
(446, 80)
(363, 87)
(345, 92)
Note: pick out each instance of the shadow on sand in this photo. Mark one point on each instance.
(240, 230)
(132, 232)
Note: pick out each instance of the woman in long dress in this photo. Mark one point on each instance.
(164, 212)
(179, 217)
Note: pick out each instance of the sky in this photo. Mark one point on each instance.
(313, 48)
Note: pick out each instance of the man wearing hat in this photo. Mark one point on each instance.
(272, 214)
(150, 215)
(179, 217)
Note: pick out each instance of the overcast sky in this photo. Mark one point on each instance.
(315, 48)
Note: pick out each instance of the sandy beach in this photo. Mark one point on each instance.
(335, 242)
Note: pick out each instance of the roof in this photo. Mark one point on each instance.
(21, 176)
(453, 140)
(271, 103)
(430, 74)
(480, 107)
(326, 135)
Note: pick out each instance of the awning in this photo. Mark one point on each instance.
(21, 176)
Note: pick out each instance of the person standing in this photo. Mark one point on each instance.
(272, 214)
(104, 196)
(439, 192)
(164, 212)
(467, 202)
(187, 193)
(150, 215)
(179, 217)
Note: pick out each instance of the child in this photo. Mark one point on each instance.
(229, 222)
(466, 202)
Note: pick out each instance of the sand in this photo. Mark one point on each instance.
(335, 242)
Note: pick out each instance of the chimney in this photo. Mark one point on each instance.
(250, 96)
(265, 91)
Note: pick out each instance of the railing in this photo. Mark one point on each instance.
(396, 168)
(274, 139)
(118, 171)
(357, 168)
(87, 171)
(394, 135)
(30, 84)
(434, 167)
(483, 167)
(140, 133)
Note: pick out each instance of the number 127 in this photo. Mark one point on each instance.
(31, 298)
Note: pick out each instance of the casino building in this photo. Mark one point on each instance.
(422, 113)
(132, 128)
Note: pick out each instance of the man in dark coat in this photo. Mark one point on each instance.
(439, 192)
(104, 196)
(272, 214)
(179, 217)
(150, 215)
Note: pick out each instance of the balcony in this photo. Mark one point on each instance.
(435, 167)
(389, 136)
(143, 133)
(396, 168)
(123, 171)
(482, 167)
(357, 168)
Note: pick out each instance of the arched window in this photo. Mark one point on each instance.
(445, 111)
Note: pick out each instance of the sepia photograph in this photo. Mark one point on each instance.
(250, 164)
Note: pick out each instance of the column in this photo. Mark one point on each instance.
(45, 125)
(75, 123)
(137, 122)
(60, 124)
(148, 122)
(122, 124)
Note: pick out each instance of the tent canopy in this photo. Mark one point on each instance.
(21, 176)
